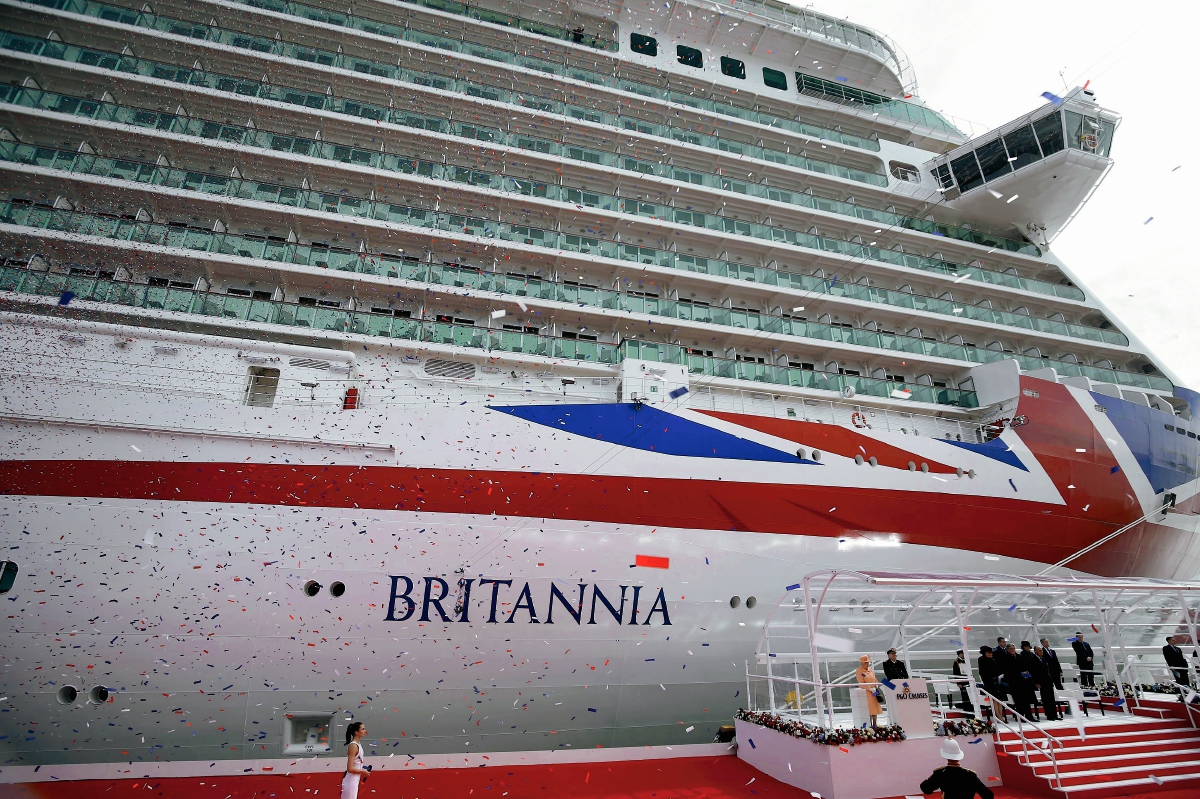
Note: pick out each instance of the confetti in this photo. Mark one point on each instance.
(679, 392)
(1148, 221)
(1053, 98)
(66, 298)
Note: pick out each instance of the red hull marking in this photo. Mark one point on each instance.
(831, 438)
(652, 562)
(1013, 527)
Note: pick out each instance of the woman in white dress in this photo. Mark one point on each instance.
(355, 770)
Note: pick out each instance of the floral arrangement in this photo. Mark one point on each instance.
(1109, 689)
(851, 736)
(967, 726)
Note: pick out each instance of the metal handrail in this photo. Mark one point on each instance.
(1025, 742)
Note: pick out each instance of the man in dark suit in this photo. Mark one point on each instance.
(1176, 661)
(1020, 682)
(961, 669)
(894, 669)
(1052, 665)
(1042, 676)
(1085, 660)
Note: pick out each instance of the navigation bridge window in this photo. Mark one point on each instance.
(1024, 145)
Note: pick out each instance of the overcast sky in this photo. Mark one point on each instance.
(989, 62)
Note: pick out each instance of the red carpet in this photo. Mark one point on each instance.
(685, 778)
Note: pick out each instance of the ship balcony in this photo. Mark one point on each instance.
(266, 202)
(240, 253)
(1033, 174)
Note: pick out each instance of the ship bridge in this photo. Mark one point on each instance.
(1033, 173)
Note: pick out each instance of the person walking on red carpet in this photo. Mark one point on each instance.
(356, 772)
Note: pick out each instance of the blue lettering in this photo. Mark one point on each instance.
(525, 600)
(405, 596)
(619, 615)
(637, 589)
(661, 600)
(466, 600)
(435, 601)
(495, 595)
(576, 612)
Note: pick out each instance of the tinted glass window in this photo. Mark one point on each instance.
(993, 160)
(646, 45)
(1049, 133)
(774, 78)
(1022, 147)
(942, 176)
(732, 67)
(966, 172)
(8, 576)
(690, 56)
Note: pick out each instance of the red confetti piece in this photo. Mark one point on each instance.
(652, 562)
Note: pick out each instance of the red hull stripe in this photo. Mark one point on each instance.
(1010, 527)
(832, 439)
(652, 562)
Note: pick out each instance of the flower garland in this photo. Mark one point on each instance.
(852, 736)
(1109, 689)
(967, 726)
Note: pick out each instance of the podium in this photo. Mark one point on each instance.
(908, 706)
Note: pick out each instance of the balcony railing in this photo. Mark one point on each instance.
(254, 88)
(791, 376)
(254, 137)
(381, 113)
(227, 307)
(294, 196)
(458, 276)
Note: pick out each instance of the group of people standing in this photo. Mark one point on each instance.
(1019, 676)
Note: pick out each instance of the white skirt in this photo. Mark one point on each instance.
(350, 786)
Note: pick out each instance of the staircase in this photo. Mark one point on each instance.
(1120, 754)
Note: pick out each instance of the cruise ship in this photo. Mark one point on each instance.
(485, 371)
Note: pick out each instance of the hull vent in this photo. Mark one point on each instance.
(312, 363)
(439, 368)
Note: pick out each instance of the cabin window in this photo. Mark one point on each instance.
(307, 733)
(261, 385)
(8, 576)
(690, 56)
(774, 79)
(646, 45)
(733, 68)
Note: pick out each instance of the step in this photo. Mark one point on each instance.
(1144, 763)
(1138, 748)
(1142, 785)
(1107, 775)
(1129, 730)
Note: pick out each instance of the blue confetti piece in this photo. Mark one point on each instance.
(735, 695)
(1011, 483)
(1114, 470)
(1072, 640)
(751, 740)
(772, 655)
(956, 643)
(1053, 98)
(1148, 221)
(592, 710)
(706, 562)
(1012, 607)
(1118, 703)
(888, 684)
(841, 78)
(792, 587)
(976, 741)
(679, 392)
(649, 660)
(66, 298)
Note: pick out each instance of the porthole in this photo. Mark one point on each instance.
(800, 453)
(312, 588)
(816, 455)
(735, 601)
(8, 576)
(971, 473)
(873, 460)
(751, 602)
(337, 588)
(925, 467)
(959, 471)
(859, 460)
(912, 467)
(98, 695)
(67, 695)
